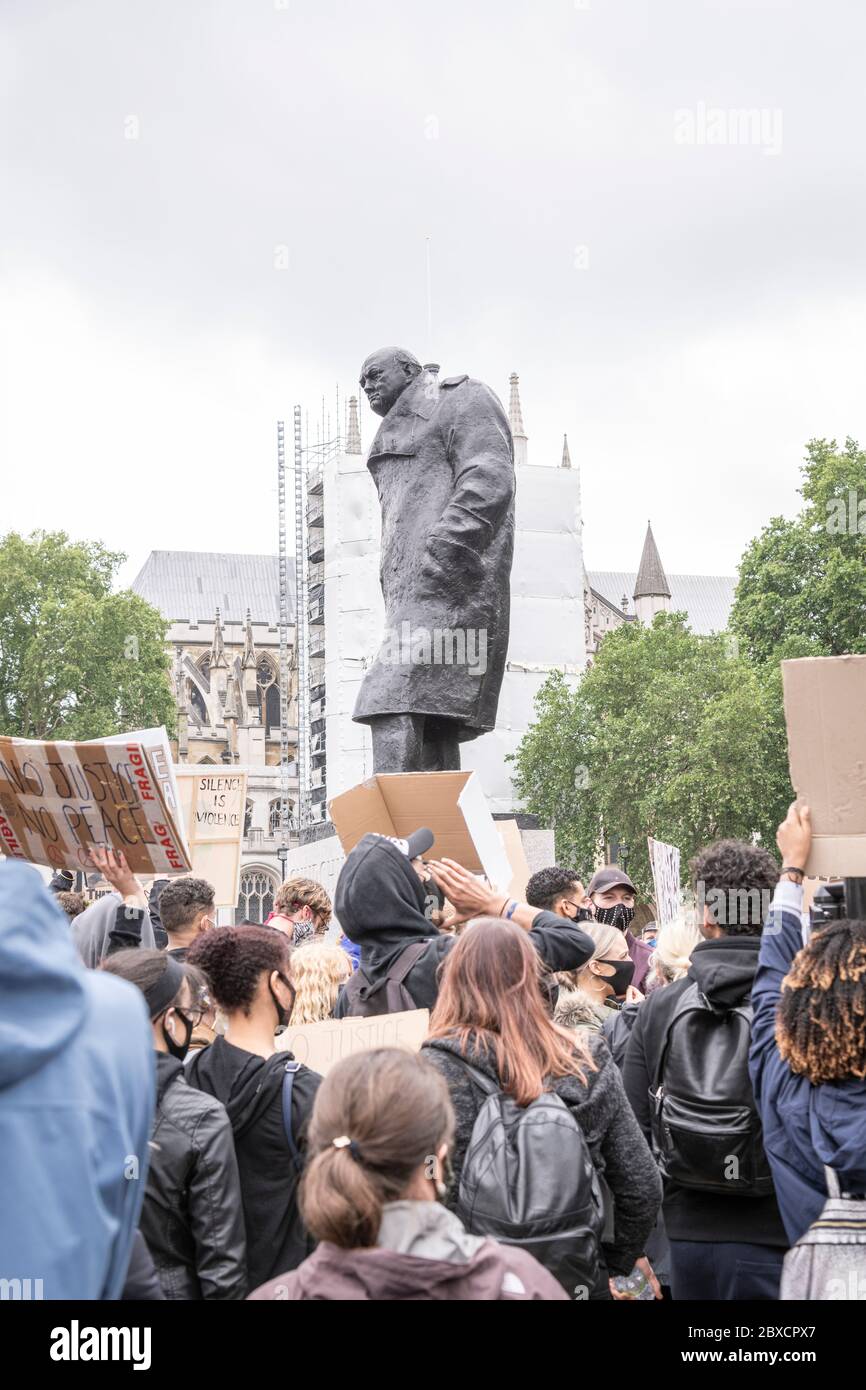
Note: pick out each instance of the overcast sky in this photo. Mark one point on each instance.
(214, 209)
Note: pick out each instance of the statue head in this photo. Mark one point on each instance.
(385, 376)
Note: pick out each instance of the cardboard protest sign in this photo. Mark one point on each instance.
(511, 839)
(59, 798)
(321, 1045)
(213, 804)
(665, 865)
(451, 804)
(825, 714)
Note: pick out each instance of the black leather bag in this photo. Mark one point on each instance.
(705, 1127)
(528, 1180)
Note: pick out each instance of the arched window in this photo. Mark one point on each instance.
(248, 817)
(256, 896)
(268, 686)
(272, 710)
(197, 706)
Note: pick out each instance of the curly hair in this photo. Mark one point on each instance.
(296, 893)
(735, 880)
(182, 899)
(319, 968)
(234, 959)
(821, 1020)
(547, 885)
(73, 904)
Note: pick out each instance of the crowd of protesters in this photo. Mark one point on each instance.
(594, 1115)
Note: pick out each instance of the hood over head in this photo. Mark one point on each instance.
(380, 901)
(92, 927)
(43, 999)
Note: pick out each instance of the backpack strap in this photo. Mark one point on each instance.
(685, 1005)
(291, 1071)
(482, 1081)
(408, 959)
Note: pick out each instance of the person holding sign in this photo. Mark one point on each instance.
(808, 1060)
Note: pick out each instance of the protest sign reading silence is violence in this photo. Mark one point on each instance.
(58, 799)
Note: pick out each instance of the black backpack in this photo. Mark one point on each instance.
(528, 1180)
(705, 1126)
(388, 995)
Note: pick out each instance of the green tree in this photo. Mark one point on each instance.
(76, 660)
(803, 582)
(668, 734)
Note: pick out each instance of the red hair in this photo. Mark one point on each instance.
(490, 995)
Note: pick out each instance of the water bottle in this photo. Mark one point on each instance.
(635, 1286)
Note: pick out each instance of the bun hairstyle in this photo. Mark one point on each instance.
(393, 1112)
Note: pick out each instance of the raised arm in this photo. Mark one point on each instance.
(781, 938)
(560, 943)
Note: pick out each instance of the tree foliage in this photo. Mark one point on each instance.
(76, 660)
(803, 582)
(668, 734)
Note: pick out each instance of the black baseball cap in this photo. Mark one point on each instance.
(415, 844)
(610, 877)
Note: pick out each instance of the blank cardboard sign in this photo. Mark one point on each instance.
(825, 713)
(321, 1045)
(451, 804)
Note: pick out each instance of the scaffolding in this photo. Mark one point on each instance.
(285, 674)
(311, 462)
(302, 634)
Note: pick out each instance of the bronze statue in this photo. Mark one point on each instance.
(443, 465)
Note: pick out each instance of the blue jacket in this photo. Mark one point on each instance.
(805, 1126)
(76, 1102)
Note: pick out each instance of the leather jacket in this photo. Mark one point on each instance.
(192, 1218)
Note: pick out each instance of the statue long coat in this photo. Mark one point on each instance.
(443, 465)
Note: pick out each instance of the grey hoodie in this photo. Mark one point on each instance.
(92, 928)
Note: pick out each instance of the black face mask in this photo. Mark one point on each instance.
(623, 974)
(618, 916)
(178, 1050)
(283, 1013)
(581, 914)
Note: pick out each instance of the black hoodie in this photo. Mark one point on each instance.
(380, 902)
(724, 968)
(251, 1088)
